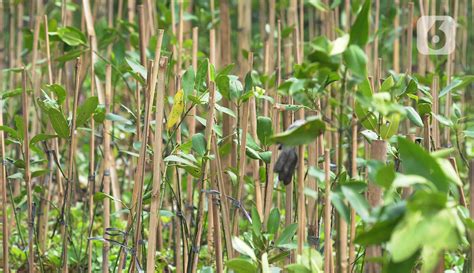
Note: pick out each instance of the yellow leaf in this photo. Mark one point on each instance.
(176, 110)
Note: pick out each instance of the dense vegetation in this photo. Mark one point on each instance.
(234, 136)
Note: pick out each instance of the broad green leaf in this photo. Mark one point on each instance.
(273, 221)
(225, 110)
(387, 84)
(338, 201)
(201, 74)
(188, 82)
(357, 202)
(415, 160)
(137, 68)
(360, 29)
(243, 248)
(456, 84)
(41, 137)
(59, 123)
(70, 55)
(356, 61)
(19, 126)
(199, 144)
(286, 234)
(413, 116)
(298, 268)
(318, 4)
(304, 134)
(377, 234)
(11, 93)
(264, 129)
(72, 36)
(58, 90)
(339, 45)
(239, 265)
(85, 110)
(390, 126)
(10, 131)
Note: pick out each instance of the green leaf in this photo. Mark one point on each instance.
(273, 221)
(188, 82)
(199, 144)
(137, 68)
(71, 36)
(264, 129)
(256, 222)
(41, 137)
(415, 160)
(356, 61)
(11, 93)
(360, 29)
(357, 202)
(85, 110)
(70, 55)
(389, 126)
(58, 90)
(19, 126)
(387, 84)
(240, 265)
(338, 201)
(201, 74)
(242, 247)
(287, 234)
(10, 131)
(59, 123)
(225, 110)
(413, 116)
(339, 45)
(457, 84)
(304, 134)
(377, 234)
(298, 268)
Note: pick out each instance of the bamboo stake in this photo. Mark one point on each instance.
(223, 201)
(426, 133)
(242, 149)
(157, 152)
(194, 254)
(43, 226)
(255, 163)
(276, 125)
(462, 196)
(3, 176)
(66, 206)
(378, 151)
(435, 109)
(140, 168)
(449, 74)
(192, 131)
(471, 204)
(327, 213)
(92, 171)
(354, 174)
(3, 182)
(26, 157)
(42, 221)
(410, 38)
(217, 236)
(106, 180)
(376, 35)
(396, 42)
